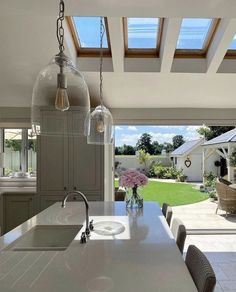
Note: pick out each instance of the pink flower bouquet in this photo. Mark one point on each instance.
(133, 179)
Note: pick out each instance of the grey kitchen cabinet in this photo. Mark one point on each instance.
(48, 200)
(67, 163)
(17, 209)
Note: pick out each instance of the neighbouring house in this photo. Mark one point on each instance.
(189, 158)
(222, 146)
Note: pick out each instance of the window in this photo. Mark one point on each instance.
(19, 146)
(195, 36)
(86, 35)
(231, 53)
(142, 36)
(232, 45)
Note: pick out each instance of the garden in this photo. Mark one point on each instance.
(174, 194)
(158, 171)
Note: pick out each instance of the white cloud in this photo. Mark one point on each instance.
(191, 132)
(119, 128)
(132, 128)
(129, 139)
(192, 128)
(162, 137)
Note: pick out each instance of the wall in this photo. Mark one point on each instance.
(195, 171)
(133, 162)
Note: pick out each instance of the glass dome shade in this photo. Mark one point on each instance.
(99, 126)
(60, 99)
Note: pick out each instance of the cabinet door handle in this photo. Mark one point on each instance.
(64, 188)
(74, 188)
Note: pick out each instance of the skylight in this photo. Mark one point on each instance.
(142, 33)
(194, 33)
(88, 32)
(232, 45)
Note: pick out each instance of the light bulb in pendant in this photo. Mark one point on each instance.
(62, 100)
(100, 126)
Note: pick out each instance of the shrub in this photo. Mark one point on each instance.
(166, 172)
(151, 171)
(210, 180)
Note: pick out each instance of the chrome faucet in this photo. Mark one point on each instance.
(87, 229)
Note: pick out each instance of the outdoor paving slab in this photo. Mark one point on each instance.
(228, 285)
(202, 216)
(221, 253)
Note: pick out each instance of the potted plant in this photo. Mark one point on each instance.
(181, 177)
(212, 195)
(217, 163)
(232, 158)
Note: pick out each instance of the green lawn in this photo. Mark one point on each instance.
(174, 194)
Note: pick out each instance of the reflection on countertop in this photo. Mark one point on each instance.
(145, 259)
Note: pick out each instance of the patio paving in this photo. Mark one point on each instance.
(220, 249)
(202, 216)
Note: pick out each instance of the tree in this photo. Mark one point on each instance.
(15, 145)
(168, 147)
(213, 131)
(145, 143)
(128, 150)
(157, 148)
(118, 150)
(177, 141)
(143, 157)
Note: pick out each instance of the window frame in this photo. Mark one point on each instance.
(24, 148)
(88, 52)
(200, 53)
(230, 54)
(142, 52)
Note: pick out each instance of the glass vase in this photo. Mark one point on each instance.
(134, 200)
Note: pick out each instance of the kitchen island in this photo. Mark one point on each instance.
(142, 258)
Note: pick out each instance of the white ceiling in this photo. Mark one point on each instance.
(28, 41)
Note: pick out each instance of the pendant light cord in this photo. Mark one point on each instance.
(60, 29)
(102, 31)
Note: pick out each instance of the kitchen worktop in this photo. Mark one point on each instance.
(144, 258)
(17, 190)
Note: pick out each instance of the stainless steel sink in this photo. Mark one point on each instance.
(46, 237)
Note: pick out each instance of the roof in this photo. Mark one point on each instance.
(227, 137)
(187, 147)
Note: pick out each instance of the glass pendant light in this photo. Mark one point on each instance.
(60, 98)
(99, 122)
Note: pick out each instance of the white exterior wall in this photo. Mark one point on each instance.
(195, 172)
(210, 164)
(132, 162)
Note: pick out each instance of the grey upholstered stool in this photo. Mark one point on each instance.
(200, 269)
(179, 232)
(167, 212)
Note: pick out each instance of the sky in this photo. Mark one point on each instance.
(142, 32)
(129, 135)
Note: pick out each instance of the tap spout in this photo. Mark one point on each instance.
(80, 194)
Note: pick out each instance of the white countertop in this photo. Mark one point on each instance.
(17, 190)
(147, 259)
